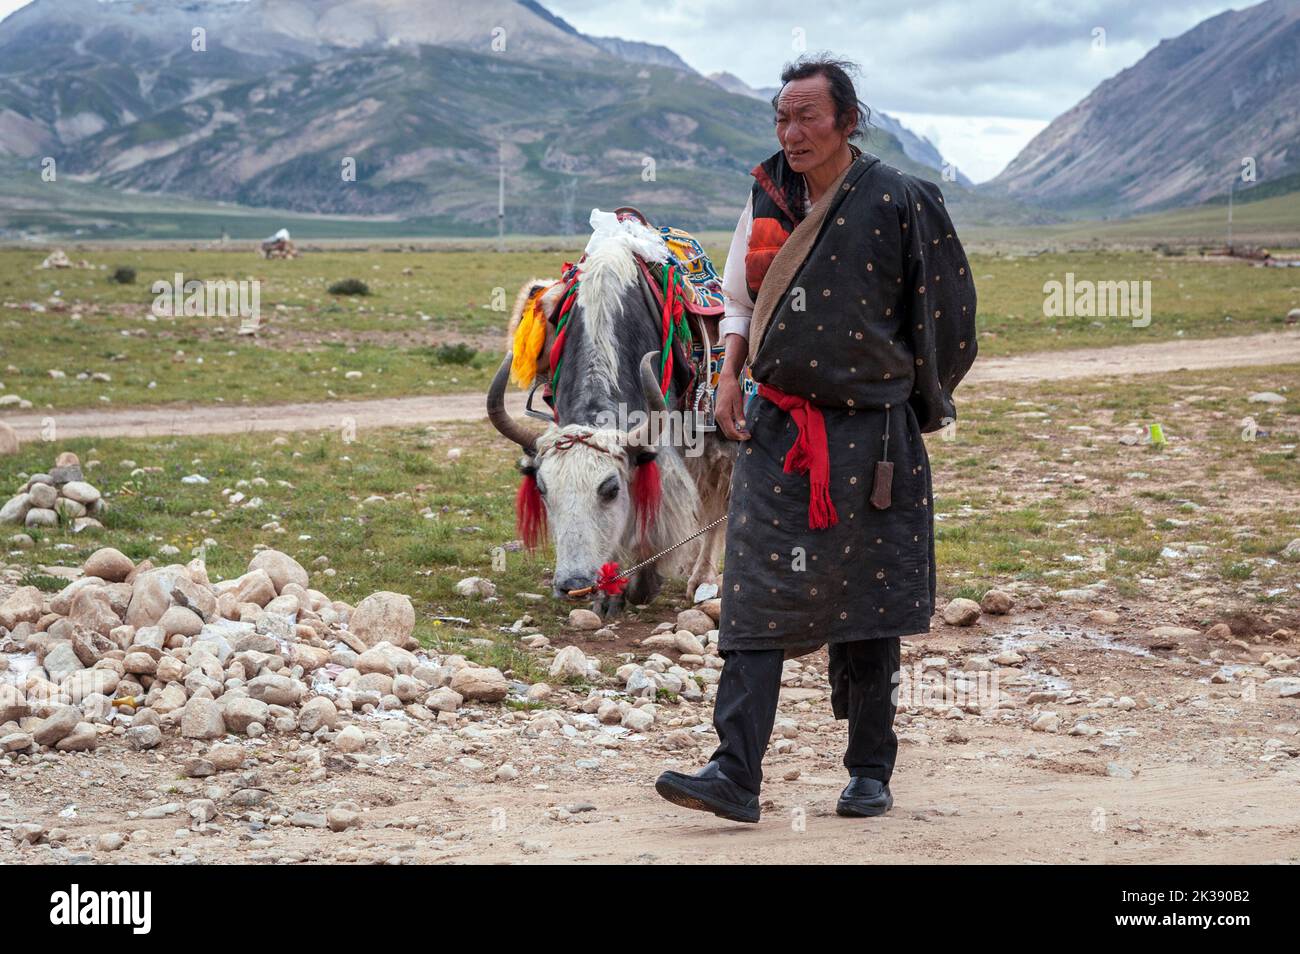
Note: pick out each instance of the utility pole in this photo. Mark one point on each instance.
(1231, 182)
(501, 195)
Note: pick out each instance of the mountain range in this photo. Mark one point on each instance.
(408, 108)
(1174, 128)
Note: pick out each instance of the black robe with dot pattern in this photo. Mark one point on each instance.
(881, 315)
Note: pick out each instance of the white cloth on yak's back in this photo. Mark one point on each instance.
(641, 239)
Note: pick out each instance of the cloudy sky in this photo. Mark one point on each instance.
(979, 77)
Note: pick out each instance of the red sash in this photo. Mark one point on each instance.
(808, 454)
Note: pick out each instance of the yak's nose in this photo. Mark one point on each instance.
(574, 582)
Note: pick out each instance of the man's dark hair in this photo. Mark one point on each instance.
(843, 93)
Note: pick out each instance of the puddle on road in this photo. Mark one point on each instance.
(1044, 635)
(1019, 637)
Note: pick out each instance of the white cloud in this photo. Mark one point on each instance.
(981, 146)
(1008, 64)
(9, 6)
(966, 66)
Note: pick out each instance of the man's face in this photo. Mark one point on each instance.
(805, 124)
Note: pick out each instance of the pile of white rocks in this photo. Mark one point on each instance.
(62, 494)
(693, 677)
(137, 651)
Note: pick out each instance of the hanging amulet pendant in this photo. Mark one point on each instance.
(883, 485)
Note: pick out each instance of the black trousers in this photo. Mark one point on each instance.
(862, 677)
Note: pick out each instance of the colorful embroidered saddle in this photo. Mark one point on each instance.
(703, 287)
(685, 285)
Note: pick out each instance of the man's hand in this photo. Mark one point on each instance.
(729, 407)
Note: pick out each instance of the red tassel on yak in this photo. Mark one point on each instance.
(530, 512)
(647, 492)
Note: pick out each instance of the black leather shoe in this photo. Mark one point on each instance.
(708, 790)
(864, 798)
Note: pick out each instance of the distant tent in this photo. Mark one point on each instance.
(279, 245)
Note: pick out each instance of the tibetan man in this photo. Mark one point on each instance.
(850, 300)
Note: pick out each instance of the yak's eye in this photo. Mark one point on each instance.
(541, 487)
(608, 489)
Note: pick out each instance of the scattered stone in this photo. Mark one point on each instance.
(202, 719)
(686, 641)
(59, 725)
(13, 705)
(280, 568)
(638, 720)
(161, 811)
(80, 491)
(41, 517)
(694, 621)
(476, 587)
(82, 738)
(997, 602)
(961, 612)
(15, 742)
(584, 619)
(1169, 637)
(110, 841)
(242, 712)
(21, 606)
(316, 713)
(444, 699)
(351, 739)
(1047, 722)
(480, 683)
(29, 833)
(1103, 617)
(143, 737)
(15, 509)
(179, 621)
(340, 818)
(275, 690)
(570, 662)
(196, 767)
(384, 617)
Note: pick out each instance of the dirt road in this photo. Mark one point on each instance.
(1151, 764)
(1200, 354)
(1112, 743)
(1277, 348)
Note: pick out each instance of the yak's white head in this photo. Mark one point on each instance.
(606, 488)
(585, 479)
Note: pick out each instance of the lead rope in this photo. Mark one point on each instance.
(609, 584)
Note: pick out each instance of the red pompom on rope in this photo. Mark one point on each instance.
(609, 580)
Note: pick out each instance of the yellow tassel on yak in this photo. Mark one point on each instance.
(530, 336)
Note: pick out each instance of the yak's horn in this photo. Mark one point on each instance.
(650, 382)
(521, 434)
(640, 437)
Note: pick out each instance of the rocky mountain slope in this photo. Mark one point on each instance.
(1174, 128)
(425, 97)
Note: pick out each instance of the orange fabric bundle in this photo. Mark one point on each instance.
(530, 336)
